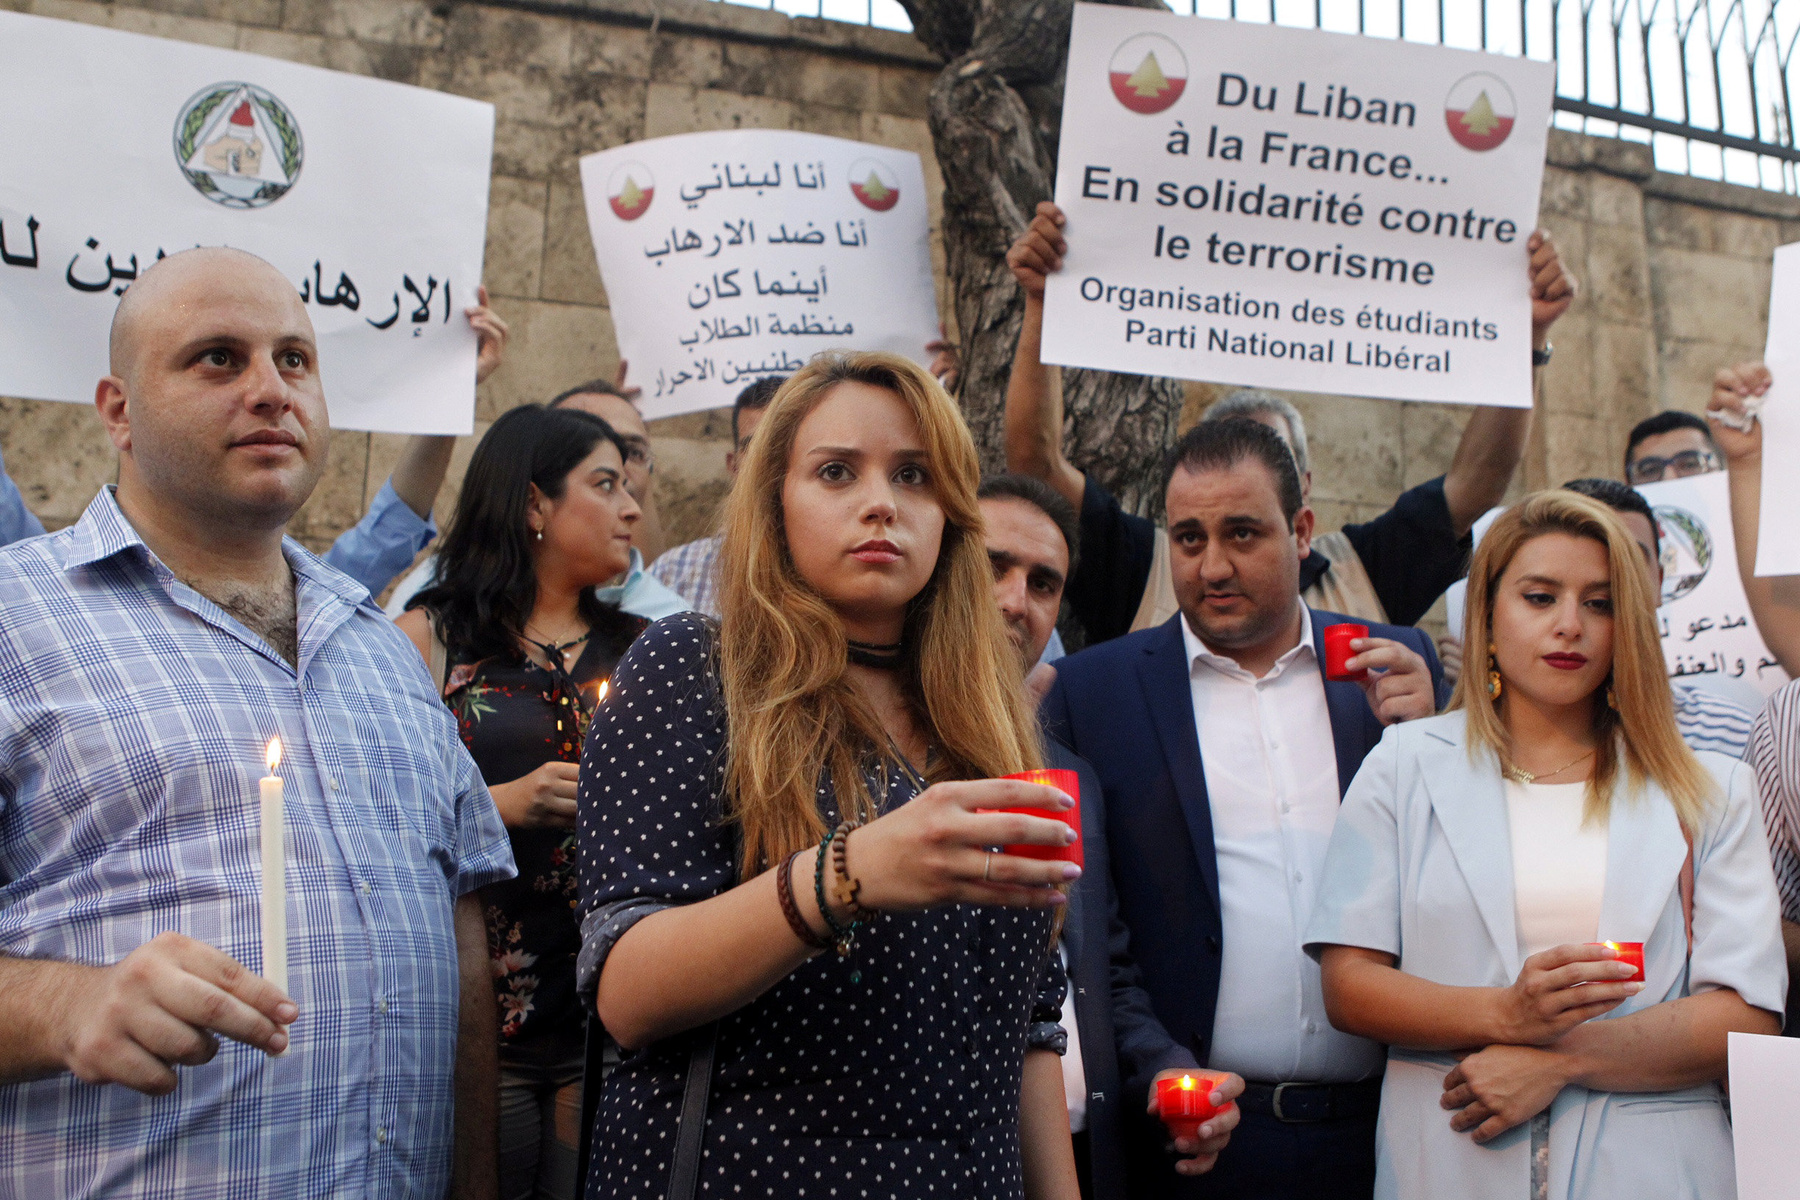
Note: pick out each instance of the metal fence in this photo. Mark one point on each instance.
(1704, 82)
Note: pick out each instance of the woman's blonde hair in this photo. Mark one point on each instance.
(782, 650)
(1640, 719)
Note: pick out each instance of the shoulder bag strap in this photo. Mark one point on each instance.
(690, 1138)
(593, 1074)
(684, 1179)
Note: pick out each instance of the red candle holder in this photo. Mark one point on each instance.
(1184, 1102)
(1628, 952)
(1338, 652)
(1064, 781)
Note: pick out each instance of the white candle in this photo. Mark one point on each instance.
(274, 874)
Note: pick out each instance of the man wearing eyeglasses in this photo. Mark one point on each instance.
(1670, 445)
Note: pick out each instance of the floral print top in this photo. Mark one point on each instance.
(514, 716)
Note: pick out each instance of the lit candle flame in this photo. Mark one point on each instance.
(1187, 1083)
(273, 756)
(1613, 946)
(600, 696)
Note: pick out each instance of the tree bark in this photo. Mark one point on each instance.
(996, 113)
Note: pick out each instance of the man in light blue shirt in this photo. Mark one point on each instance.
(149, 653)
(17, 522)
(398, 524)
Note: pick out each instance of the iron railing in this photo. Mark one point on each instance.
(1706, 83)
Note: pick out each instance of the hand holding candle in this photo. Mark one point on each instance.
(1199, 1109)
(1395, 677)
(1184, 1102)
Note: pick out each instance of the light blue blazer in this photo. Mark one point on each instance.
(1420, 867)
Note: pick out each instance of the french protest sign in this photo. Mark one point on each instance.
(1291, 208)
(370, 196)
(737, 255)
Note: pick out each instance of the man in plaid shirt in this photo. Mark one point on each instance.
(148, 654)
(692, 570)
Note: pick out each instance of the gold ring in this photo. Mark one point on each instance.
(987, 866)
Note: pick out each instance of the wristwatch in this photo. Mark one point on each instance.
(1541, 358)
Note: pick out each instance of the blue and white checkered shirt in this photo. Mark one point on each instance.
(133, 718)
(692, 570)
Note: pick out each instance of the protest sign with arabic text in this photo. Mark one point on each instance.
(1709, 639)
(1291, 208)
(371, 197)
(732, 256)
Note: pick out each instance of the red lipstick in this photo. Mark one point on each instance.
(1566, 661)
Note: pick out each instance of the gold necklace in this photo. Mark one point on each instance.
(1521, 775)
(559, 646)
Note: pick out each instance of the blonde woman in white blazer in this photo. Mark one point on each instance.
(1481, 853)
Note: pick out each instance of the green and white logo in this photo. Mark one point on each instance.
(1687, 551)
(238, 145)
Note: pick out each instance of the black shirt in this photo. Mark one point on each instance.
(515, 716)
(1411, 552)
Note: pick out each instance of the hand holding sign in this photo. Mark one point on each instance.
(1039, 250)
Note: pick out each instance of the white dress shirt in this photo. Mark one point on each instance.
(1271, 779)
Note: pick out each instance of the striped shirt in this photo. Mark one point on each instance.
(1708, 721)
(693, 570)
(133, 718)
(1775, 752)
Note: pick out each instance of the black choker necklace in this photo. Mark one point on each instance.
(873, 654)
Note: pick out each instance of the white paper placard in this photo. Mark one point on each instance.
(730, 256)
(1777, 533)
(370, 196)
(1280, 207)
(1709, 638)
(1765, 1112)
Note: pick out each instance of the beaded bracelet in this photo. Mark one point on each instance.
(843, 936)
(847, 890)
(784, 891)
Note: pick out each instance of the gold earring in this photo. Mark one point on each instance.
(1612, 701)
(1494, 685)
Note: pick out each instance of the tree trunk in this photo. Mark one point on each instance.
(996, 112)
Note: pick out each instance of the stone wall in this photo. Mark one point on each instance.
(1674, 271)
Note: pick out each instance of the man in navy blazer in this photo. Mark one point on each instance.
(1033, 543)
(1217, 825)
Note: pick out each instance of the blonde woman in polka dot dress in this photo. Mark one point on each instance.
(861, 674)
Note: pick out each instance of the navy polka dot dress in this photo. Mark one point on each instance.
(903, 1085)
